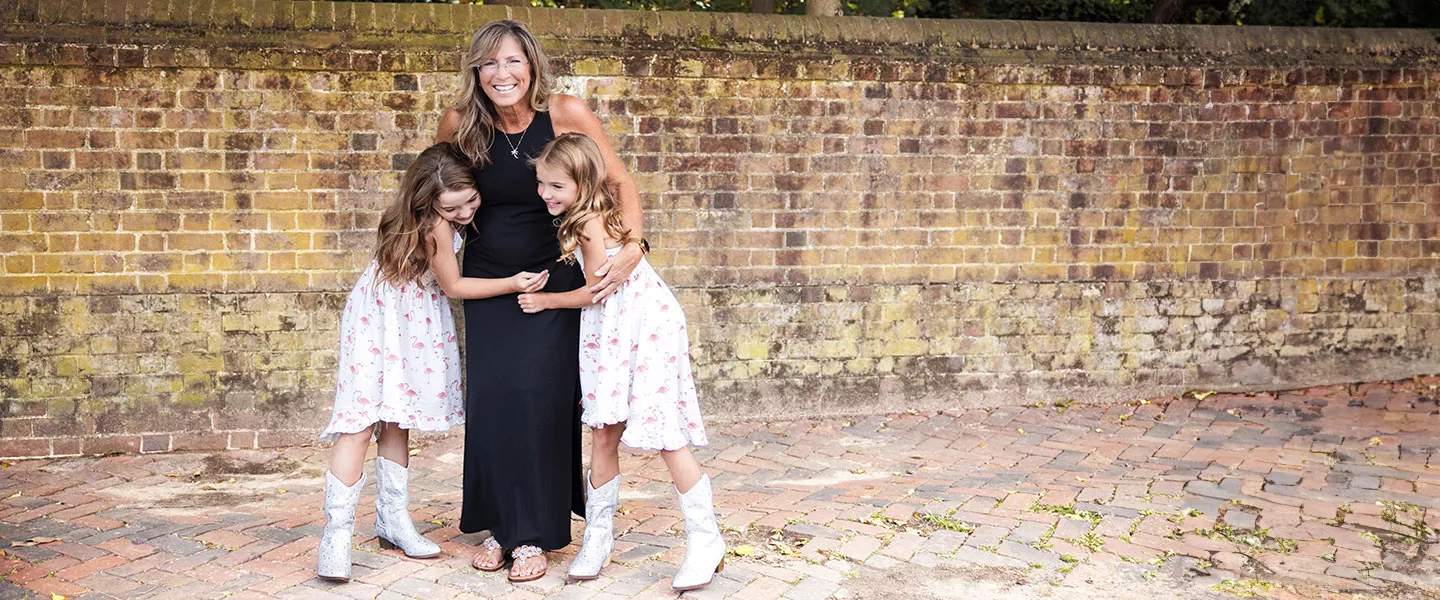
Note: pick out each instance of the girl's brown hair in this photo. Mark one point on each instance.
(578, 157)
(477, 114)
(403, 246)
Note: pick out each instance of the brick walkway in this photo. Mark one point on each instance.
(1324, 492)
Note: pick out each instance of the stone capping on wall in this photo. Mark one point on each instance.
(327, 24)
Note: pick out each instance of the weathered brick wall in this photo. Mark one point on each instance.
(858, 214)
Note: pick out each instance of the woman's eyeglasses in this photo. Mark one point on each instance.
(491, 67)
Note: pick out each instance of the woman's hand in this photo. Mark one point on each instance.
(616, 270)
(524, 283)
(534, 303)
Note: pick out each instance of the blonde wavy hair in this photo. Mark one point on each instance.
(477, 114)
(579, 158)
(403, 248)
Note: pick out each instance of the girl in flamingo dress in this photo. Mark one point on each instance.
(399, 363)
(635, 376)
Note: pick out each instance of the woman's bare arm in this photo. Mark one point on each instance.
(570, 114)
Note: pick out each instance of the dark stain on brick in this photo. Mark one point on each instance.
(44, 321)
(243, 141)
(234, 464)
(400, 102)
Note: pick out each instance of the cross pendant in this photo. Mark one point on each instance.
(515, 153)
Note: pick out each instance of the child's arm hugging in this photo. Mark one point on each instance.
(447, 272)
(592, 248)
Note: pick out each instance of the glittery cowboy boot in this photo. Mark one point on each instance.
(704, 546)
(392, 512)
(599, 540)
(334, 551)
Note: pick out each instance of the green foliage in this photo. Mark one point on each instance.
(1319, 13)
(1103, 11)
(1291, 13)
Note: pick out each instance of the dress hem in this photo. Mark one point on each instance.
(690, 440)
(331, 435)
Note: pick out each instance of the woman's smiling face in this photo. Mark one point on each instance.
(505, 76)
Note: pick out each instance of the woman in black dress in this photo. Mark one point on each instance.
(522, 438)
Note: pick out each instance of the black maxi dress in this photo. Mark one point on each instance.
(522, 428)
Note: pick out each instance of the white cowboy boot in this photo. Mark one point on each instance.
(599, 540)
(704, 547)
(334, 551)
(392, 512)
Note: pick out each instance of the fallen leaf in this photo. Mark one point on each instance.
(56, 597)
(280, 491)
(1375, 441)
(415, 452)
(743, 550)
(208, 487)
(35, 541)
(14, 495)
(784, 549)
(230, 480)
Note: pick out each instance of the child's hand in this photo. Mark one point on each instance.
(534, 303)
(525, 283)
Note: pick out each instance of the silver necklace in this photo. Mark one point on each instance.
(515, 147)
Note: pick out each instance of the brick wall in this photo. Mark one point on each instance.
(859, 214)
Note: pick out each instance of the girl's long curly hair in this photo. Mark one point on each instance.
(578, 157)
(477, 114)
(403, 248)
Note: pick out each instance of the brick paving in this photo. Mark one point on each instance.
(1318, 493)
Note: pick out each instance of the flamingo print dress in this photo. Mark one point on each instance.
(635, 365)
(399, 358)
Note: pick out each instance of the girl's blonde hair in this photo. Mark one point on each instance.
(403, 248)
(578, 157)
(477, 114)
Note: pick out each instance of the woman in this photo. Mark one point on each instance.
(522, 437)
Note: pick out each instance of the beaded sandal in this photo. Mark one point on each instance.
(487, 547)
(521, 555)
